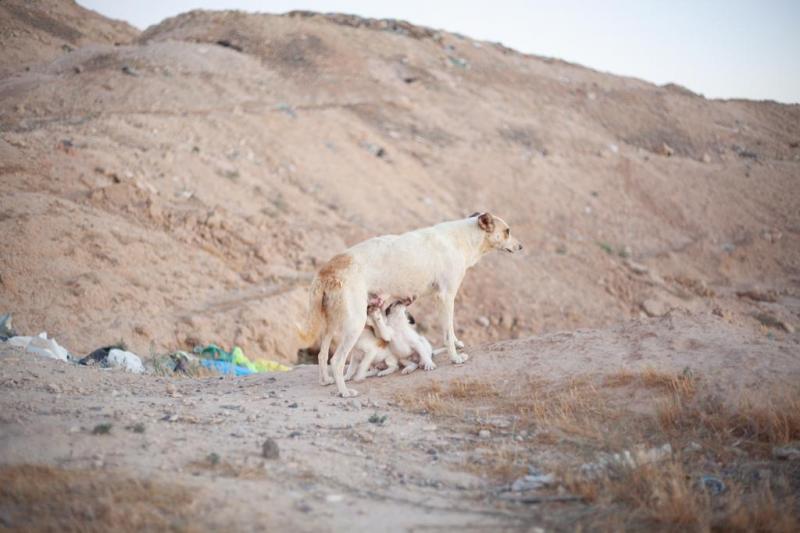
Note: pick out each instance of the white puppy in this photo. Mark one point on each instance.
(430, 260)
(404, 342)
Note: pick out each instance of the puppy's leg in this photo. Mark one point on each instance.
(324, 348)
(423, 348)
(366, 362)
(408, 366)
(391, 366)
(351, 367)
(447, 302)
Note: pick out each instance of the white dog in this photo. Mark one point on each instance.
(393, 267)
(403, 342)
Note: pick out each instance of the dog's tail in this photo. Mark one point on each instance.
(315, 321)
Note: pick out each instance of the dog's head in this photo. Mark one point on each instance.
(497, 233)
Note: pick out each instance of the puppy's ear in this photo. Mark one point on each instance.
(473, 215)
(486, 222)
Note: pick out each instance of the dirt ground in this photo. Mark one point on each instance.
(180, 186)
(408, 455)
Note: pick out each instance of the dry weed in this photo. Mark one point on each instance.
(44, 498)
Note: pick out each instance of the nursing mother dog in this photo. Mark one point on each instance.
(429, 260)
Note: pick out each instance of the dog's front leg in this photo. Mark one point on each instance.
(447, 302)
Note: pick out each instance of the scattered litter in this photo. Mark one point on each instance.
(128, 361)
(270, 450)
(40, 345)
(6, 329)
(484, 434)
(712, 484)
(102, 429)
(235, 362)
(115, 357)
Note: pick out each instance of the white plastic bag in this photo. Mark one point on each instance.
(126, 360)
(40, 345)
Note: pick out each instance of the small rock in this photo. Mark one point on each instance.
(78, 69)
(355, 403)
(483, 321)
(654, 308)
(665, 150)
(292, 405)
(303, 507)
(334, 498)
(787, 453)
(636, 268)
(484, 434)
(269, 450)
(53, 388)
(706, 158)
(170, 389)
(130, 71)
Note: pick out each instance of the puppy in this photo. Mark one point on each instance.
(404, 343)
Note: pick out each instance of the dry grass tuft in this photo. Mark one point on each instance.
(755, 426)
(43, 498)
(667, 496)
(683, 383)
(451, 400)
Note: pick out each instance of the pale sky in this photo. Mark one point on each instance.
(721, 49)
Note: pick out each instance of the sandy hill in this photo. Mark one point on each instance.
(180, 185)
(636, 369)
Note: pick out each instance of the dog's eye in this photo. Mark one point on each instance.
(508, 232)
(411, 319)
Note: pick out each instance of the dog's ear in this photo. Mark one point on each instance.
(473, 215)
(486, 222)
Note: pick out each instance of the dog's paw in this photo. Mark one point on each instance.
(359, 378)
(349, 393)
(408, 370)
(429, 366)
(326, 381)
(459, 358)
(459, 344)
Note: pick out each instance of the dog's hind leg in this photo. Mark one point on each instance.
(349, 339)
(322, 358)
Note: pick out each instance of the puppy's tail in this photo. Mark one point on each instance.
(316, 315)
